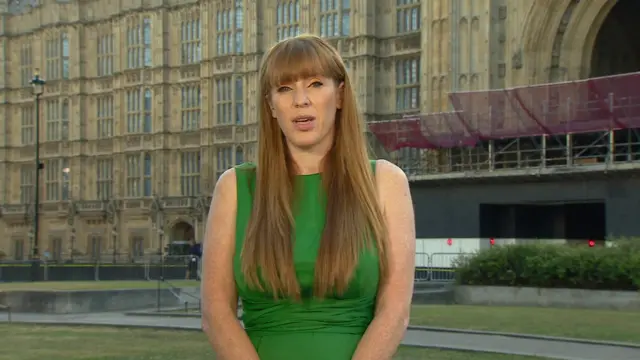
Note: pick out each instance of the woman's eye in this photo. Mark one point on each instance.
(283, 88)
(316, 84)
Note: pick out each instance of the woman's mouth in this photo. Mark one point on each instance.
(304, 123)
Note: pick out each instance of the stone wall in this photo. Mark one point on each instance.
(574, 298)
(86, 301)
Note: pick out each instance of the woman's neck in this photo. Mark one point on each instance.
(307, 162)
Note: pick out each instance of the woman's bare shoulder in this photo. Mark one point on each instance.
(388, 172)
(225, 188)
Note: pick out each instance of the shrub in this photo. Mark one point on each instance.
(553, 266)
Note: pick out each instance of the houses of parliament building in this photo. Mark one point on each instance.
(147, 102)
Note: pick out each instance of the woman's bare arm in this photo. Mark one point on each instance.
(219, 294)
(393, 306)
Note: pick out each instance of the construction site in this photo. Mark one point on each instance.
(556, 161)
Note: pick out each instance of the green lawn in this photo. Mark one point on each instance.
(93, 285)
(577, 323)
(34, 342)
(610, 325)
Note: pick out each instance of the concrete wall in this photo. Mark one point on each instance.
(452, 209)
(86, 301)
(574, 298)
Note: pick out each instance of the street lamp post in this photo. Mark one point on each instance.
(38, 88)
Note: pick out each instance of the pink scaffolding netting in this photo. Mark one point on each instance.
(596, 104)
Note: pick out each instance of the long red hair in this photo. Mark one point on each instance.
(354, 219)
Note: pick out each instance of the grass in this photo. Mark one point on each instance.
(604, 325)
(104, 343)
(92, 285)
(576, 323)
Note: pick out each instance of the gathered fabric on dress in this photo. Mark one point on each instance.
(309, 329)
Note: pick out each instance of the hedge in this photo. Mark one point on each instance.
(554, 266)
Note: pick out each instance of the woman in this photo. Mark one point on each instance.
(316, 240)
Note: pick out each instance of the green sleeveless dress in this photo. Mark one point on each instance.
(311, 329)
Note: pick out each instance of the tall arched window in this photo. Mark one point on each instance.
(239, 100)
(64, 121)
(146, 33)
(239, 155)
(147, 111)
(146, 176)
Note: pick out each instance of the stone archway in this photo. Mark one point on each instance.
(581, 35)
(181, 231)
(616, 46)
(538, 35)
(558, 39)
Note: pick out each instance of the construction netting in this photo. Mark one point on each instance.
(590, 105)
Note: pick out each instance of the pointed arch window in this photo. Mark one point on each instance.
(52, 119)
(335, 18)
(146, 176)
(407, 84)
(224, 159)
(56, 54)
(104, 54)
(190, 51)
(239, 24)
(139, 175)
(239, 155)
(146, 34)
(139, 111)
(66, 180)
(229, 28)
(287, 19)
(190, 166)
(138, 44)
(65, 55)
(64, 120)
(105, 111)
(147, 111)
(239, 97)
(26, 64)
(407, 16)
(190, 107)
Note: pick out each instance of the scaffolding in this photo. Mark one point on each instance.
(587, 125)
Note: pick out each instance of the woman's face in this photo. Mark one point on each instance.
(306, 111)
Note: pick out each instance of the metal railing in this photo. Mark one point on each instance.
(437, 267)
(147, 268)
(6, 308)
(185, 298)
(429, 267)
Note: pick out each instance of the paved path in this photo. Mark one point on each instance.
(414, 337)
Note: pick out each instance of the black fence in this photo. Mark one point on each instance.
(432, 267)
(169, 269)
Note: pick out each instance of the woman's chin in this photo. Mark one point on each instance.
(304, 141)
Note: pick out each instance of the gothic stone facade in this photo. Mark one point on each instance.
(147, 102)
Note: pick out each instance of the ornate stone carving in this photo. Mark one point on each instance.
(111, 208)
(29, 213)
(516, 59)
(71, 213)
(133, 141)
(200, 208)
(155, 211)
